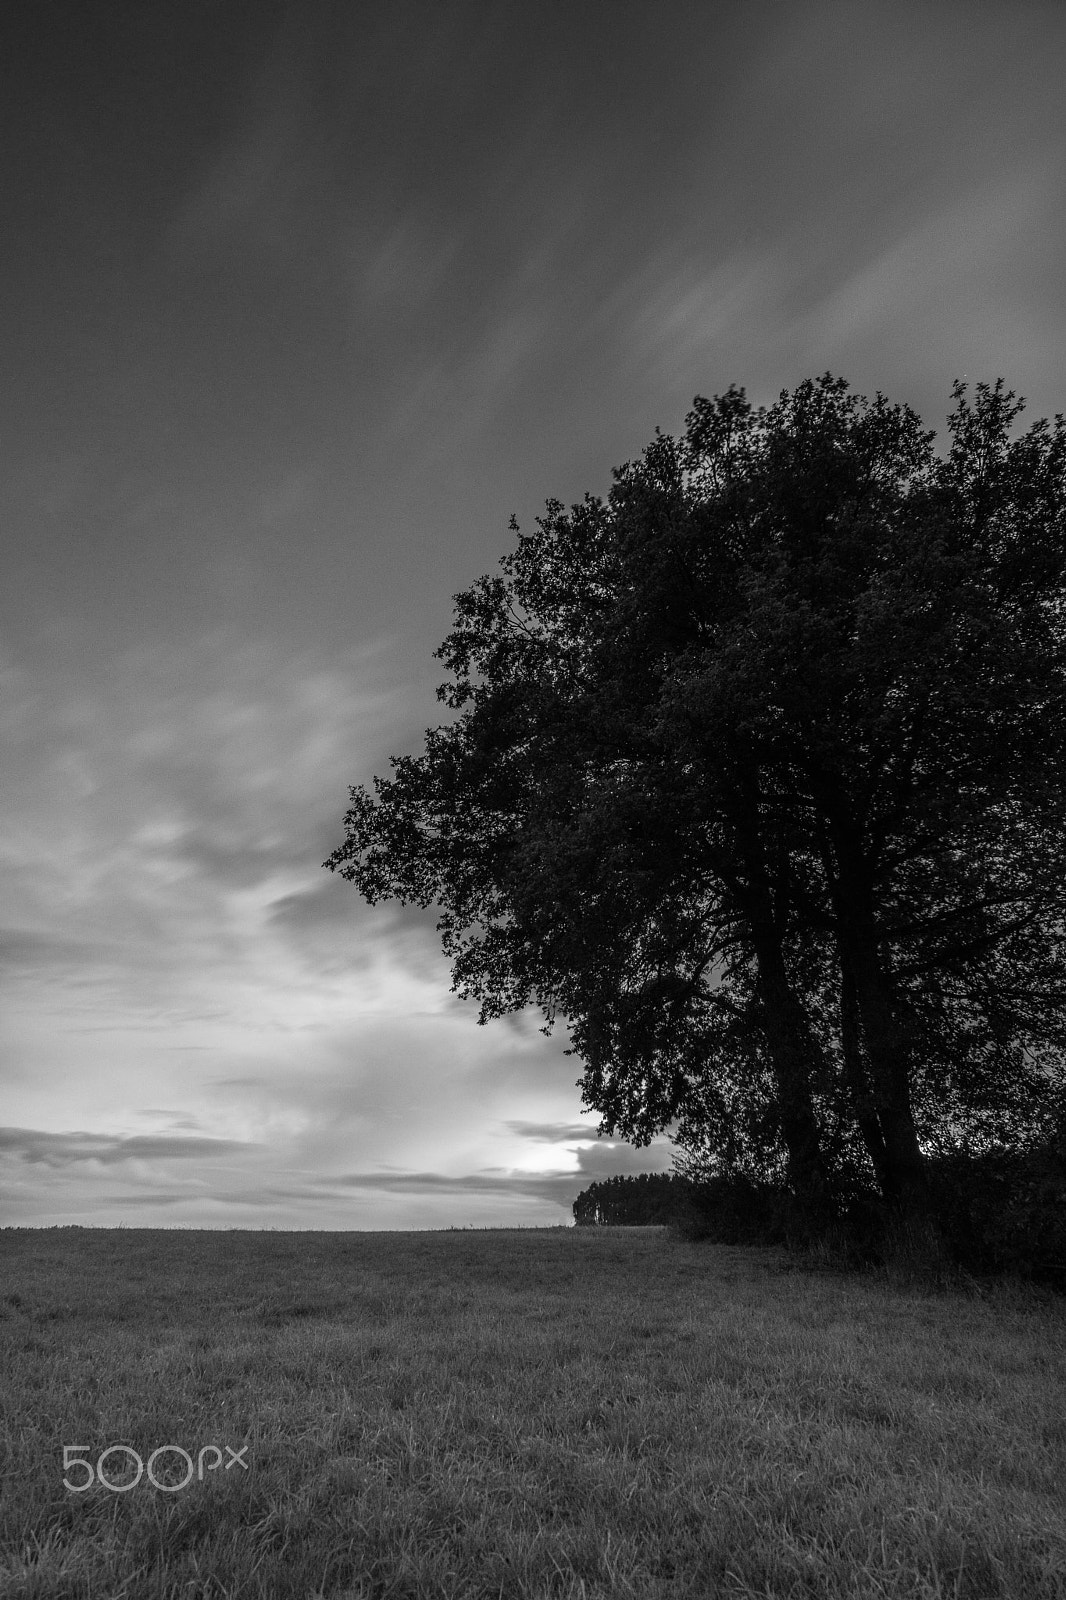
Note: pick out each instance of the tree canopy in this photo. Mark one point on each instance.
(636, 1200)
(754, 779)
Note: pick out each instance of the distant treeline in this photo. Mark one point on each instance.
(639, 1201)
(1002, 1211)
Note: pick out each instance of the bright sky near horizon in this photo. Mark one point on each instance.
(300, 301)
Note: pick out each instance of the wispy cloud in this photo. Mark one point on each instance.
(185, 794)
(959, 254)
(556, 1186)
(285, 1033)
(61, 1149)
(552, 1132)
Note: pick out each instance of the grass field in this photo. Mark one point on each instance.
(562, 1412)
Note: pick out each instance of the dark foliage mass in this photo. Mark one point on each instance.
(731, 1210)
(645, 1199)
(998, 1211)
(754, 779)
(1005, 1210)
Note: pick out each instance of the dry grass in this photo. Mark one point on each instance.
(597, 1413)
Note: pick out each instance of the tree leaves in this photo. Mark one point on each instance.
(782, 716)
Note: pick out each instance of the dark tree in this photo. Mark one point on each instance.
(640, 1200)
(755, 779)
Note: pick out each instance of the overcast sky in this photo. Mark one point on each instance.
(300, 301)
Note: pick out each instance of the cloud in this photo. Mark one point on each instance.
(335, 931)
(36, 1145)
(26, 949)
(943, 276)
(552, 1132)
(173, 1123)
(260, 185)
(679, 311)
(155, 817)
(606, 1160)
(404, 264)
(559, 1187)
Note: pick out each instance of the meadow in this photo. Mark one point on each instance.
(558, 1413)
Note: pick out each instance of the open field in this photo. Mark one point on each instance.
(565, 1412)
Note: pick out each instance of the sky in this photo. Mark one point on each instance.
(299, 303)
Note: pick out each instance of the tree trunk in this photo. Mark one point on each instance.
(866, 993)
(887, 1052)
(915, 1244)
(857, 1079)
(791, 1045)
(792, 1051)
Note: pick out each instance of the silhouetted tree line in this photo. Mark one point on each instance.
(755, 779)
(1000, 1211)
(641, 1200)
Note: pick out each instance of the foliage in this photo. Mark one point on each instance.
(1004, 1210)
(635, 1200)
(753, 779)
(739, 1210)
